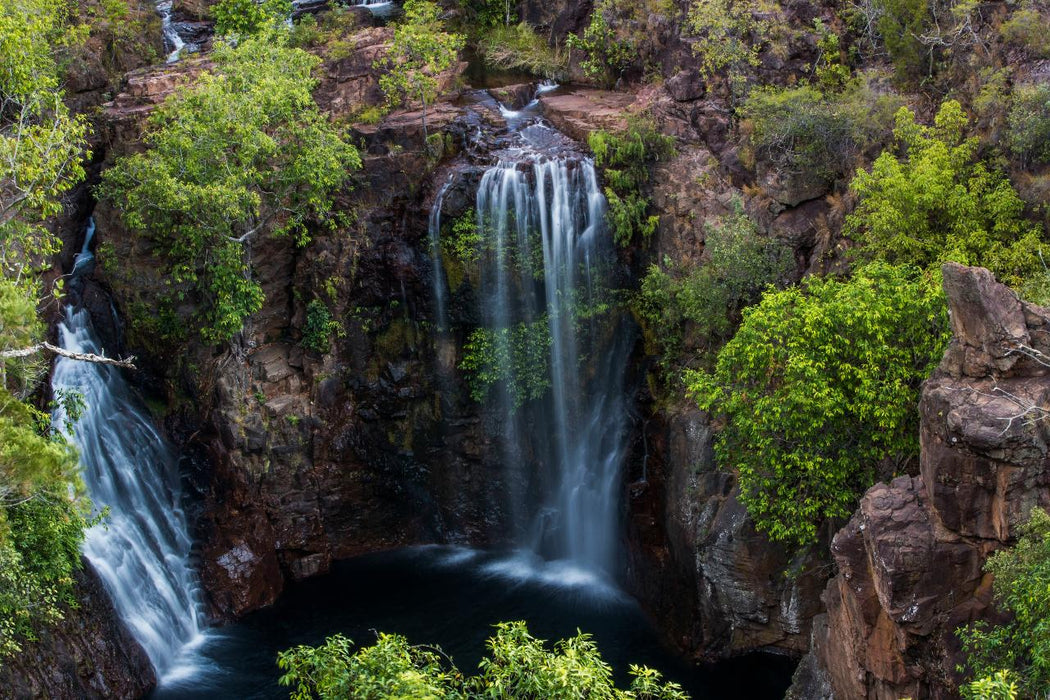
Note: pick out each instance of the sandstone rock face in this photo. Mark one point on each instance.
(910, 560)
(89, 654)
(716, 584)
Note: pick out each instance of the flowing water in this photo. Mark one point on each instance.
(142, 548)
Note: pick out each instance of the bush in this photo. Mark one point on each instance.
(319, 327)
(1022, 588)
(608, 54)
(939, 203)
(818, 387)
(248, 17)
(625, 159)
(739, 263)
(803, 130)
(1029, 29)
(516, 358)
(730, 34)
(519, 47)
(518, 665)
(1029, 124)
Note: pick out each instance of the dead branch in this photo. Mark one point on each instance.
(127, 362)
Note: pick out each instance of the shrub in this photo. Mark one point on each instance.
(803, 130)
(1029, 124)
(625, 159)
(248, 17)
(818, 387)
(519, 47)
(938, 203)
(319, 327)
(518, 665)
(1022, 588)
(1029, 29)
(607, 55)
(515, 358)
(739, 263)
(730, 34)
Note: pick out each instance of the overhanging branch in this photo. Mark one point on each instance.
(127, 362)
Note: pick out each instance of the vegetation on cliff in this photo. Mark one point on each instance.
(243, 152)
(42, 508)
(518, 665)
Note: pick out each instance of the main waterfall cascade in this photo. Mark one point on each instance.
(141, 550)
(545, 275)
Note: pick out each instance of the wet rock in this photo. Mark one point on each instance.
(89, 654)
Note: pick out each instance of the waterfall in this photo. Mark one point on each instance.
(546, 257)
(142, 548)
(437, 269)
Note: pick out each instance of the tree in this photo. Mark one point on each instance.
(730, 34)
(420, 52)
(1022, 588)
(248, 17)
(243, 151)
(608, 54)
(938, 203)
(518, 666)
(42, 510)
(818, 388)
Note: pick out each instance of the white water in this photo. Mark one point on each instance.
(437, 268)
(142, 548)
(171, 37)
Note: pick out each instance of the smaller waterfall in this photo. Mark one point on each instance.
(142, 548)
(172, 39)
(437, 271)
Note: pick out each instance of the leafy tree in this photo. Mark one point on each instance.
(1029, 130)
(248, 17)
(41, 150)
(939, 203)
(739, 264)
(420, 52)
(608, 54)
(1022, 588)
(625, 159)
(997, 686)
(518, 666)
(242, 151)
(730, 34)
(819, 387)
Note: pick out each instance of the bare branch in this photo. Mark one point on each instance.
(127, 362)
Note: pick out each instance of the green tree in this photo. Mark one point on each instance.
(518, 665)
(607, 53)
(729, 36)
(420, 52)
(41, 150)
(938, 203)
(248, 17)
(1021, 585)
(818, 388)
(242, 151)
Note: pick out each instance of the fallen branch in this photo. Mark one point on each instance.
(127, 362)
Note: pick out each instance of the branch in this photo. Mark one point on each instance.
(127, 362)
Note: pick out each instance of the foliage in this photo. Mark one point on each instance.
(1029, 124)
(938, 203)
(1030, 29)
(900, 25)
(421, 50)
(41, 150)
(518, 666)
(739, 264)
(41, 143)
(625, 159)
(243, 150)
(818, 387)
(831, 73)
(248, 17)
(464, 240)
(804, 130)
(730, 34)
(998, 686)
(519, 47)
(1022, 588)
(607, 55)
(330, 32)
(487, 14)
(515, 358)
(319, 327)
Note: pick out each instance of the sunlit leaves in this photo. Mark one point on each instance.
(818, 386)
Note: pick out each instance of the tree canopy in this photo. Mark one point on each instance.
(518, 665)
(818, 387)
(242, 152)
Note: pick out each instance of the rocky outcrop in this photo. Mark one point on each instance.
(716, 585)
(910, 560)
(89, 654)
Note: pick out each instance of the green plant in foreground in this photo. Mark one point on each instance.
(1021, 585)
(818, 388)
(517, 665)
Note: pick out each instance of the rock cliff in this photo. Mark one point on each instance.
(910, 560)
